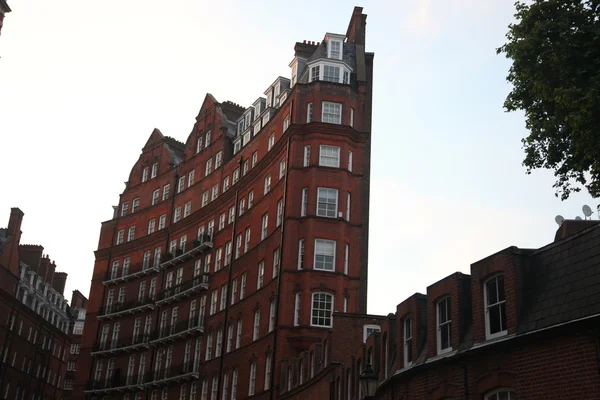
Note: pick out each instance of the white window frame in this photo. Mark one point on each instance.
(325, 212)
(367, 328)
(264, 226)
(256, 327)
(407, 341)
(300, 253)
(446, 303)
(495, 394)
(325, 159)
(155, 197)
(279, 212)
(252, 380)
(330, 53)
(306, 155)
(297, 305)
(488, 334)
(166, 190)
(261, 275)
(267, 187)
(282, 165)
(181, 184)
(271, 141)
(313, 309)
(330, 113)
(154, 172)
(346, 256)
(320, 241)
(191, 177)
(309, 112)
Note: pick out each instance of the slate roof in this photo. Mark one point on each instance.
(562, 281)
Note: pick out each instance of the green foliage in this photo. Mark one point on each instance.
(555, 49)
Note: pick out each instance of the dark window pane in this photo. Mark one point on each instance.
(500, 288)
(492, 295)
(494, 314)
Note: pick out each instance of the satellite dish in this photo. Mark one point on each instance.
(559, 219)
(578, 218)
(587, 211)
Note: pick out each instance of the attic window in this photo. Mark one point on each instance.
(335, 49)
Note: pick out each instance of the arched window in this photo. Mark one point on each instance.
(501, 394)
(322, 308)
(495, 307)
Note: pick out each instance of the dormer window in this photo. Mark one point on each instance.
(335, 49)
(444, 321)
(330, 72)
(495, 307)
(314, 73)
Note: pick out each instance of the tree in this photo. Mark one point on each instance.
(555, 49)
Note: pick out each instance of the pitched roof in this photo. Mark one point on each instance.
(562, 281)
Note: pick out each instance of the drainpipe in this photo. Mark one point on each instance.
(229, 276)
(281, 250)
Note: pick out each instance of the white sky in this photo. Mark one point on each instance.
(82, 85)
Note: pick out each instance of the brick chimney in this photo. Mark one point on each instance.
(59, 281)
(31, 254)
(357, 29)
(9, 251)
(572, 226)
(44, 268)
(304, 49)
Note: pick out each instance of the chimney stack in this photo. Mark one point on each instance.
(59, 281)
(31, 254)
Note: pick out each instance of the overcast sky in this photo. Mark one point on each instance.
(83, 83)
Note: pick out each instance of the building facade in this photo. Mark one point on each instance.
(523, 325)
(228, 254)
(35, 322)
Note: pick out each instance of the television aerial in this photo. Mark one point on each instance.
(587, 211)
(559, 219)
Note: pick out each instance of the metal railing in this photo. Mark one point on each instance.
(181, 328)
(117, 382)
(125, 306)
(173, 372)
(121, 343)
(203, 242)
(199, 282)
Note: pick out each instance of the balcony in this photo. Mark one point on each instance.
(203, 243)
(119, 383)
(187, 371)
(183, 290)
(113, 279)
(121, 345)
(127, 307)
(180, 330)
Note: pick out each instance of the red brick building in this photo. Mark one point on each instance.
(35, 320)
(524, 325)
(228, 254)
